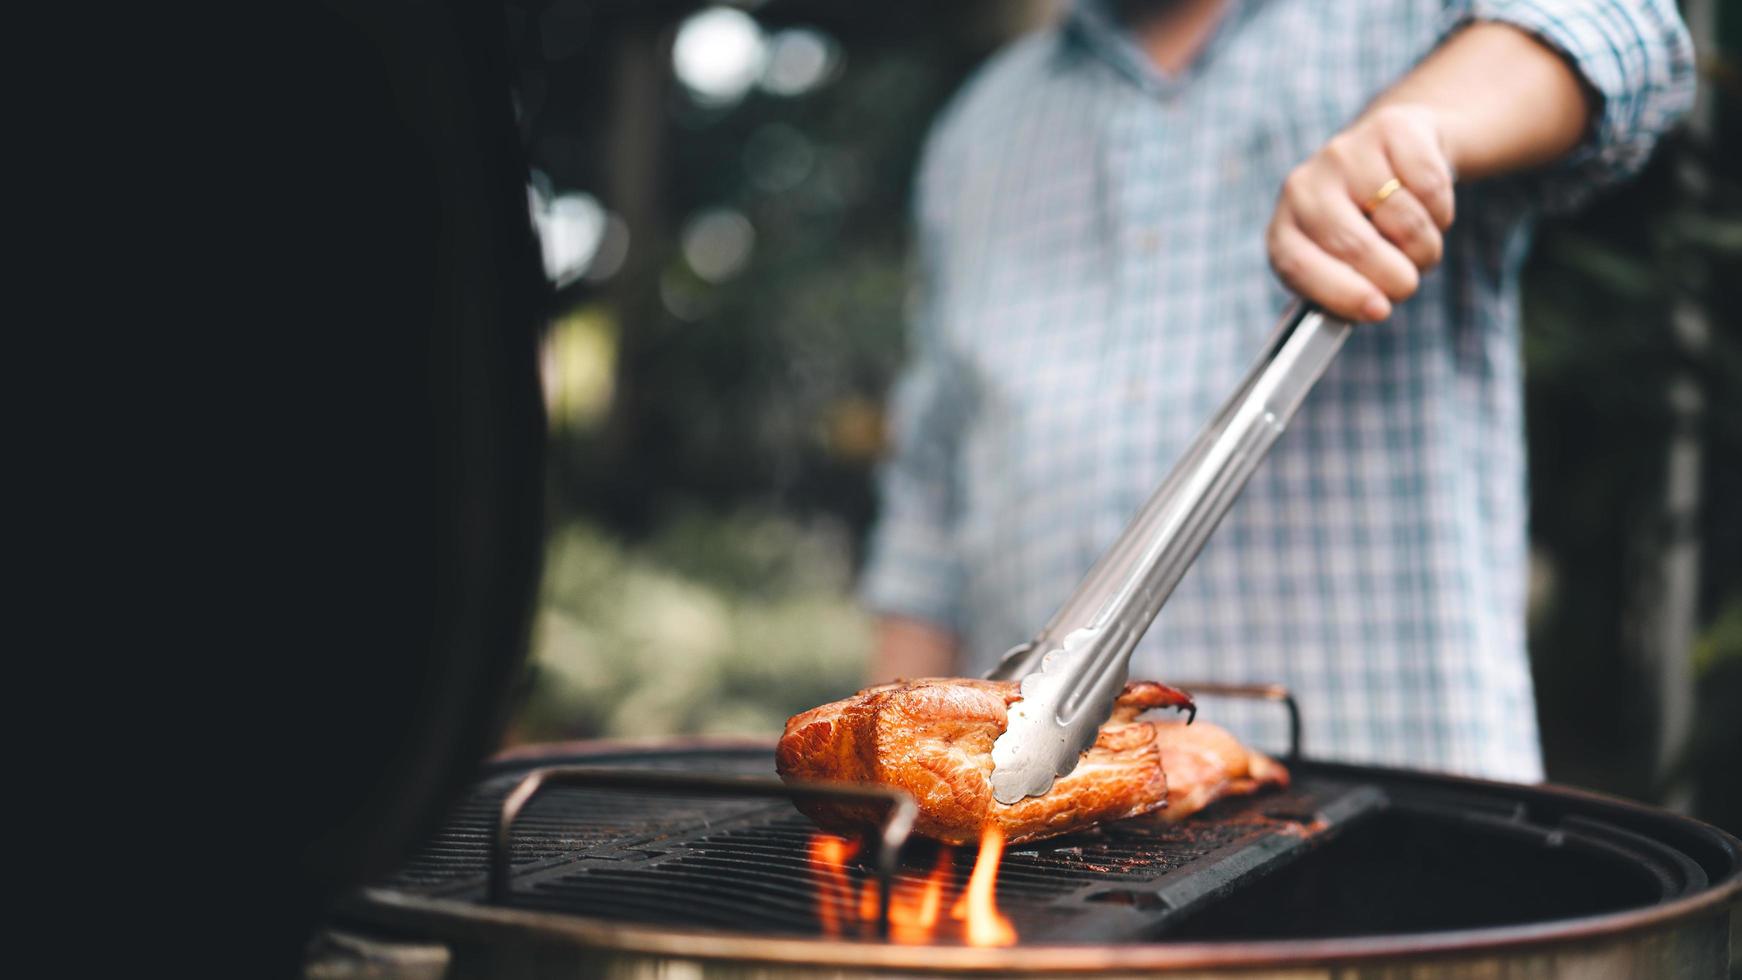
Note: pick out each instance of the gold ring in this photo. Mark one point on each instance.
(1386, 190)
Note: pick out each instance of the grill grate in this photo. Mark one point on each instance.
(744, 864)
(760, 877)
(566, 823)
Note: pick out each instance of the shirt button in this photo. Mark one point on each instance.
(1148, 241)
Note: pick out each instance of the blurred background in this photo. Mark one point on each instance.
(722, 194)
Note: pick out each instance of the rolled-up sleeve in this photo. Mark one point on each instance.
(1637, 61)
(913, 568)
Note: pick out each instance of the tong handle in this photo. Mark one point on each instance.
(1126, 588)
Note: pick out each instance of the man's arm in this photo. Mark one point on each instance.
(911, 648)
(1493, 99)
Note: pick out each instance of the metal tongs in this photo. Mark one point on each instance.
(1075, 667)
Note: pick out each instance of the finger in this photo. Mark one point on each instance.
(1331, 219)
(1405, 223)
(1316, 275)
(1333, 216)
(1414, 154)
(1363, 165)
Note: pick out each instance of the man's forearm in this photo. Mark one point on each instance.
(1504, 100)
(1358, 221)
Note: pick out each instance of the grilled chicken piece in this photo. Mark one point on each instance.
(1204, 763)
(933, 738)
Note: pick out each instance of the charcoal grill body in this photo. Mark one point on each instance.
(1354, 871)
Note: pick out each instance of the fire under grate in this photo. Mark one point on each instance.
(745, 864)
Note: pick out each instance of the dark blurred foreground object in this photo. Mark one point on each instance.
(407, 488)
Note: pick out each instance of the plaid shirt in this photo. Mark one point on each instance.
(1095, 282)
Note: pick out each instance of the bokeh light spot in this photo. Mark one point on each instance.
(718, 54)
(799, 60)
(571, 228)
(717, 243)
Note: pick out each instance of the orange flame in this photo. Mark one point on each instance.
(829, 855)
(985, 925)
(868, 900)
(915, 905)
(913, 910)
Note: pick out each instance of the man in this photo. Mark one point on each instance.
(1100, 211)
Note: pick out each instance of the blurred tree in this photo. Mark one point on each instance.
(758, 307)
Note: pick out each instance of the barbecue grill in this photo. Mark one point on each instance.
(684, 859)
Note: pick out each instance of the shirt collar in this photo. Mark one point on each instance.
(1095, 26)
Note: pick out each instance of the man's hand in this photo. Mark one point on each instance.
(1359, 221)
(1491, 100)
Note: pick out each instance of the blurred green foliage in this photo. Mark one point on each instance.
(1721, 646)
(734, 390)
(712, 625)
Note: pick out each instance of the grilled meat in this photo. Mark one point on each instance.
(933, 738)
(1204, 763)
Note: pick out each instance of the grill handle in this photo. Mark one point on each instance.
(892, 834)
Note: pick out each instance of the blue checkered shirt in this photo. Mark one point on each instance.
(1095, 282)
